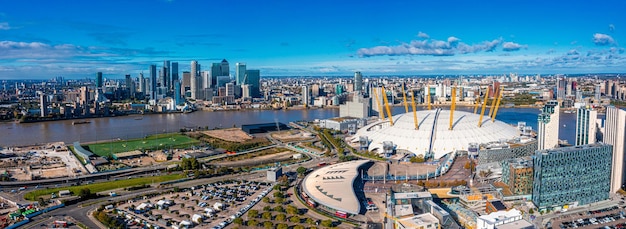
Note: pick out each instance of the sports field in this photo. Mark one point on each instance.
(159, 141)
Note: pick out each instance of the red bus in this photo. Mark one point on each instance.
(341, 214)
(322, 164)
(311, 203)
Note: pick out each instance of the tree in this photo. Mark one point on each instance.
(238, 220)
(280, 200)
(327, 223)
(309, 221)
(267, 215)
(279, 209)
(531, 211)
(84, 193)
(281, 217)
(252, 223)
(266, 200)
(298, 227)
(292, 210)
(253, 213)
(267, 208)
(282, 226)
(301, 171)
(294, 219)
(268, 225)
(278, 194)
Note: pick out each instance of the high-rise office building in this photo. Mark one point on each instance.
(163, 77)
(99, 82)
(153, 81)
(245, 91)
(224, 68)
(43, 104)
(253, 77)
(194, 84)
(240, 73)
(568, 175)
(177, 91)
(142, 85)
(615, 134)
(215, 72)
(222, 80)
(598, 92)
(175, 71)
(561, 84)
(586, 126)
(130, 85)
(358, 82)
(206, 79)
(167, 81)
(548, 125)
(306, 96)
(230, 89)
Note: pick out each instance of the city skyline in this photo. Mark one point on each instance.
(328, 38)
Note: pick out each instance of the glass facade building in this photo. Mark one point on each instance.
(572, 175)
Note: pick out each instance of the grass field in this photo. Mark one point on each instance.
(159, 141)
(104, 186)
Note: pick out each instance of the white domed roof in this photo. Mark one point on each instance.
(435, 122)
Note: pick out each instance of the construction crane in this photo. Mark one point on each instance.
(482, 110)
(417, 127)
(381, 113)
(406, 105)
(493, 118)
(453, 97)
(387, 105)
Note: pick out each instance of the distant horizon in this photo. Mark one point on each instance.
(326, 37)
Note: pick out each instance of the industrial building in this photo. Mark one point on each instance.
(576, 175)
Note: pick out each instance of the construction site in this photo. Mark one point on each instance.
(51, 160)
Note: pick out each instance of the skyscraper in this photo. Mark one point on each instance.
(358, 82)
(253, 78)
(194, 84)
(615, 134)
(598, 92)
(230, 89)
(561, 84)
(99, 80)
(215, 72)
(548, 125)
(175, 71)
(142, 85)
(306, 96)
(224, 68)
(586, 126)
(240, 73)
(43, 104)
(177, 90)
(153, 81)
(167, 82)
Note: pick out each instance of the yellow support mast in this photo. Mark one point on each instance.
(428, 96)
(417, 127)
(476, 106)
(493, 101)
(381, 112)
(406, 105)
(453, 97)
(482, 111)
(493, 118)
(387, 105)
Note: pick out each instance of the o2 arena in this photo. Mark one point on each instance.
(435, 134)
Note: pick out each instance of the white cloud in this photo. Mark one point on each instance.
(422, 35)
(512, 46)
(4, 26)
(603, 39)
(430, 47)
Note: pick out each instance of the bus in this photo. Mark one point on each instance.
(341, 214)
(311, 203)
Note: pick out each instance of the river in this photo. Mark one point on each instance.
(125, 127)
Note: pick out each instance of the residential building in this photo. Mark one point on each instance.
(358, 82)
(359, 107)
(586, 126)
(306, 96)
(517, 173)
(615, 134)
(548, 126)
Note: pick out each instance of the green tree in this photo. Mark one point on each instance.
(266, 200)
(252, 223)
(278, 194)
(298, 227)
(268, 225)
(292, 210)
(282, 226)
(294, 219)
(327, 223)
(280, 200)
(267, 208)
(279, 209)
(84, 193)
(301, 170)
(309, 221)
(238, 220)
(267, 215)
(253, 213)
(281, 217)
(531, 211)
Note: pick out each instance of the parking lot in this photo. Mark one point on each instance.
(613, 217)
(213, 205)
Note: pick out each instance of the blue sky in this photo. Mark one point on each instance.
(75, 39)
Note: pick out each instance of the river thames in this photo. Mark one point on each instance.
(125, 127)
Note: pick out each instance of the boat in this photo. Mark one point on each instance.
(140, 118)
(80, 122)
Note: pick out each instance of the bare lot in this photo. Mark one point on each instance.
(232, 135)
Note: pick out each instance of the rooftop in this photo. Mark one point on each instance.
(418, 220)
(332, 186)
(500, 216)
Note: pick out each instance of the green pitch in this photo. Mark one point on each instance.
(154, 142)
